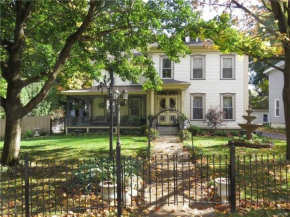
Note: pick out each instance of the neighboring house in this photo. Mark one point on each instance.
(276, 106)
(203, 79)
(260, 105)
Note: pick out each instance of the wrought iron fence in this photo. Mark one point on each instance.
(55, 187)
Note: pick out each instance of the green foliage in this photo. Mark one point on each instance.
(234, 133)
(256, 139)
(143, 129)
(184, 135)
(133, 120)
(43, 133)
(194, 130)
(220, 133)
(28, 134)
(153, 134)
(202, 132)
(130, 132)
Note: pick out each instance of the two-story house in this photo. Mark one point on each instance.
(203, 79)
(276, 105)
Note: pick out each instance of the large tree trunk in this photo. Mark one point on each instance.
(286, 100)
(12, 137)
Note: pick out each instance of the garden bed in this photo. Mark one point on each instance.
(254, 145)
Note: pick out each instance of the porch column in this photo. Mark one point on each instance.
(182, 101)
(152, 112)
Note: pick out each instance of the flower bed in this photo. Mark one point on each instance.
(256, 142)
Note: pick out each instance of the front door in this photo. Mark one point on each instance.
(167, 102)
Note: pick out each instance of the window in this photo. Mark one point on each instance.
(227, 67)
(197, 106)
(265, 118)
(134, 105)
(228, 102)
(198, 67)
(166, 68)
(277, 108)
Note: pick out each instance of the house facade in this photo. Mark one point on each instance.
(204, 79)
(276, 105)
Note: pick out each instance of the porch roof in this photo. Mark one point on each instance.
(174, 84)
(132, 89)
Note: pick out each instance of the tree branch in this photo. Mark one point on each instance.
(256, 17)
(266, 6)
(71, 40)
(34, 79)
(87, 38)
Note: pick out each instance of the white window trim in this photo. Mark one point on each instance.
(233, 64)
(192, 95)
(203, 66)
(275, 106)
(161, 67)
(233, 95)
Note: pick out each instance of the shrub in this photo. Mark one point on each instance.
(143, 129)
(28, 134)
(234, 133)
(184, 135)
(42, 133)
(214, 117)
(202, 132)
(153, 134)
(193, 130)
(133, 120)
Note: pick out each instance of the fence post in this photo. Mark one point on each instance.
(26, 185)
(232, 176)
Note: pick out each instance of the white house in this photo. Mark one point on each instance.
(276, 105)
(203, 79)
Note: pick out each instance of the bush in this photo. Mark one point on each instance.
(234, 133)
(133, 120)
(202, 132)
(28, 134)
(184, 135)
(193, 130)
(154, 134)
(220, 133)
(214, 117)
(42, 133)
(143, 129)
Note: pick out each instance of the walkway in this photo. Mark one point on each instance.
(273, 135)
(169, 189)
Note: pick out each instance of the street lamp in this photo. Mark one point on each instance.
(118, 98)
(109, 85)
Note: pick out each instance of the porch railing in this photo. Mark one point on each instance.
(125, 120)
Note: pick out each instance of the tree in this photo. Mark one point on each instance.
(51, 41)
(238, 32)
(214, 117)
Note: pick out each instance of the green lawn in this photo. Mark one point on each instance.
(218, 146)
(61, 147)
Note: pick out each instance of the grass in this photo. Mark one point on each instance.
(218, 146)
(82, 146)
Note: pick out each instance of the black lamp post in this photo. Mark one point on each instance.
(109, 85)
(118, 99)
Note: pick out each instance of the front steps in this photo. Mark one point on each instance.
(167, 130)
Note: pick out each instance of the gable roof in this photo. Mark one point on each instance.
(279, 64)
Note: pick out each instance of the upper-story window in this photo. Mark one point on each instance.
(277, 108)
(197, 67)
(228, 106)
(228, 67)
(166, 68)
